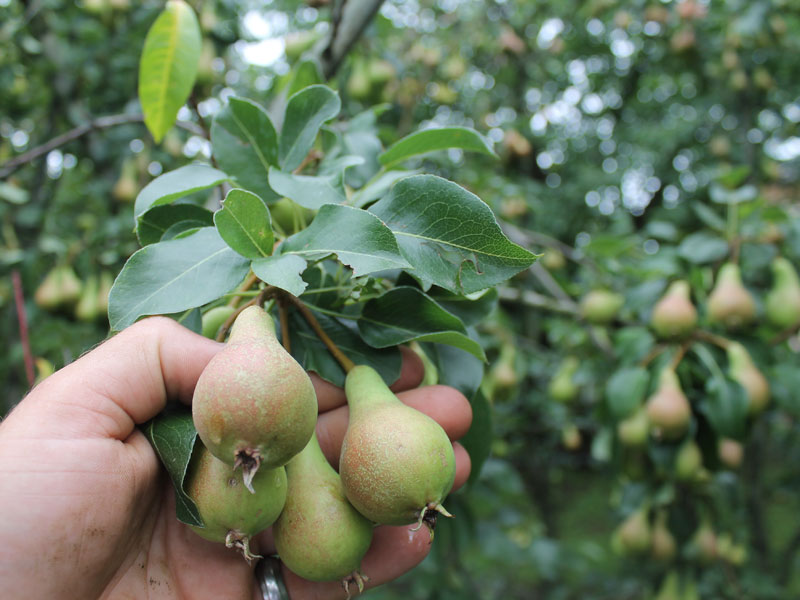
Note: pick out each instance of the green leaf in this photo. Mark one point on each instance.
(703, 248)
(725, 405)
(245, 225)
(626, 390)
(449, 235)
(172, 435)
(168, 66)
(245, 144)
(471, 309)
(722, 195)
(314, 356)
(377, 188)
(172, 276)
(430, 140)
(176, 184)
(283, 271)
(457, 368)
(306, 111)
(478, 440)
(305, 73)
(309, 191)
(181, 229)
(357, 237)
(404, 314)
(155, 222)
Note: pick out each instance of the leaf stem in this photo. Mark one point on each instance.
(340, 357)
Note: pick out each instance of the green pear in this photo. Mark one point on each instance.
(670, 588)
(397, 464)
(253, 404)
(601, 306)
(103, 289)
(674, 315)
(571, 437)
(214, 319)
(60, 287)
(662, 544)
(634, 430)
(230, 513)
(553, 259)
(562, 387)
(319, 535)
(782, 305)
(668, 408)
(730, 304)
(633, 535)
(703, 545)
(743, 370)
(730, 453)
(688, 461)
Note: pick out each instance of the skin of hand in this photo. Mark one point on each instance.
(88, 512)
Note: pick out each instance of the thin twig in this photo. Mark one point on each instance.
(340, 357)
(99, 123)
(22, 318)
(681, 352)
(784, 335)
(536, 300)
(653, 354)
(707, 336)
(266, 293)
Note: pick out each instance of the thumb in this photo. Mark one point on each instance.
(123, 382)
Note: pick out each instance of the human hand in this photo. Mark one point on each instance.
(88, 512)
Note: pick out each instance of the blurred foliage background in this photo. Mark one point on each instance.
(640, 142)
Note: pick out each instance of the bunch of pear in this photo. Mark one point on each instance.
(63, 291)
(258, 462)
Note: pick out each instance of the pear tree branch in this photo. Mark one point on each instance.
(8, 167)
(349, 19)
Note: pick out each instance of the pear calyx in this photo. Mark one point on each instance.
(674, 315)
(254, 406)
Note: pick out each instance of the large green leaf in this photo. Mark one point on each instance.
(703, 247)
(168, 66)
(283, 271)
(406, 313)
(245, 225)
(173, 436)
(176, 184)
(309, 191)
(245, 144)
(314, 356)
(154, 223)
(430, 140)
(449, 235)
(378, 187)
(306, 111)
(357, 237)
(172, 276)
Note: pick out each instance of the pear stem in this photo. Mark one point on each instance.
(340, 357)
(283, 317)
(679, 354)
(714, 339)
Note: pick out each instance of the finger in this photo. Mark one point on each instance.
(463, 466)
(446, 405)
(125, 381)
(394, 551)
(412, 370)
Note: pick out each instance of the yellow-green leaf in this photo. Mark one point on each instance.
(168, 66)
